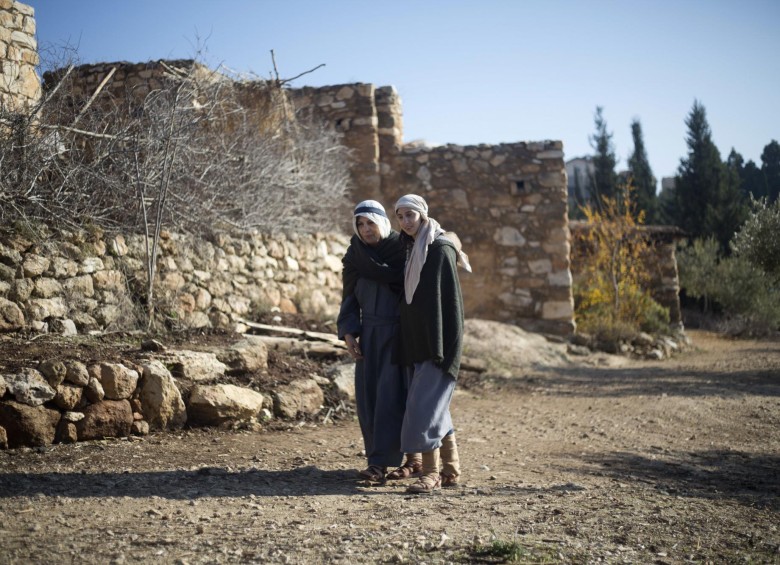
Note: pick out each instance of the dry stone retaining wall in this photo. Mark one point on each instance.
(65, 400)
(20, 86)
(84, 282)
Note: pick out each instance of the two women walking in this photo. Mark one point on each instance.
(402, 319)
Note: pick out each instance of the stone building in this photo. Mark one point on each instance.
(20, 86)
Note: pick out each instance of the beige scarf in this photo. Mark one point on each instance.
(428, 232)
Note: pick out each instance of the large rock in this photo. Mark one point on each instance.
(34, 265)
(11, 316)
(300, 397)
(249, 354)
(343, 378)
(3, 386)
(42, 308)
(110, 418)
(219, 404)
(68, 396)
(118, 381)
(21, 290)
(161, 401)
(28, 426)
(46, 287)
(7, 274)
(76, 373)
(94, 390)
(29, 387)
(53, 371)
(194, 365)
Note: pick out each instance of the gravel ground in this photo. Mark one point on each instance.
(599, 461)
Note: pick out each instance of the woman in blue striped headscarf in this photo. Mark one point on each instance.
(373, 277)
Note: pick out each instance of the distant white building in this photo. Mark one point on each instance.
(579, 171)
(667, 183)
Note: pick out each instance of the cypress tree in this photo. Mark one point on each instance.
(698, 177)
(751, 179)
(707, 199)
(770, 165)
(754, 181)
(605, 180)
(642, 176)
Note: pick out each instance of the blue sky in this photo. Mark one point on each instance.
(480, 71)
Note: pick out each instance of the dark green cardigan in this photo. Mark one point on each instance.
(432, 325)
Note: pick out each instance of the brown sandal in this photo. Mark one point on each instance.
(425, 484)
(409, 470)
(373, 473)
(449, 480)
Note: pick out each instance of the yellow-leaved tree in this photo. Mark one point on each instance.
(612, 266)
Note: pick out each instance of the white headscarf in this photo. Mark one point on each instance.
(429, 231)
(375, 212)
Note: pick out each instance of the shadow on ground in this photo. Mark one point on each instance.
(641, 381)
(202, 483)
(749, 479)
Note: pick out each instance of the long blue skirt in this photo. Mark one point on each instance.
(427, 418)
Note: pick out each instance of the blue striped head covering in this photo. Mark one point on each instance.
(375, 212)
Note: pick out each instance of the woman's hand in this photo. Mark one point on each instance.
(353, 347)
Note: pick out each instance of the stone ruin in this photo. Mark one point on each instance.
(507, 202)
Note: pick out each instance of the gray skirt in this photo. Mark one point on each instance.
(427, 418)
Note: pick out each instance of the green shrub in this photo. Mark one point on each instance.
(748, 296)
(696, 263)
(758, 240)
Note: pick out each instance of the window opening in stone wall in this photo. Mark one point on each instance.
(519, 186)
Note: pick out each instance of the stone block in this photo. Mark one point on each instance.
(109, 418)
(300, 397)
(118, 381)
(161, 401)
(28, 426)
(224, 403)
(34, 265)
(560, 310)
(11, 316)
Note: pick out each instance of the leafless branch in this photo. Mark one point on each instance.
(94, 95)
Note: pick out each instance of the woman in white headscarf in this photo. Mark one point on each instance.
(368, 322)
(431, 341)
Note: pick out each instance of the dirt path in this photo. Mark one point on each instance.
(666, 462)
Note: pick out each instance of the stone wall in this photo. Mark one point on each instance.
(84, 282)
(507, 203)
(19, 83)
(123, 82)
(351, 109)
